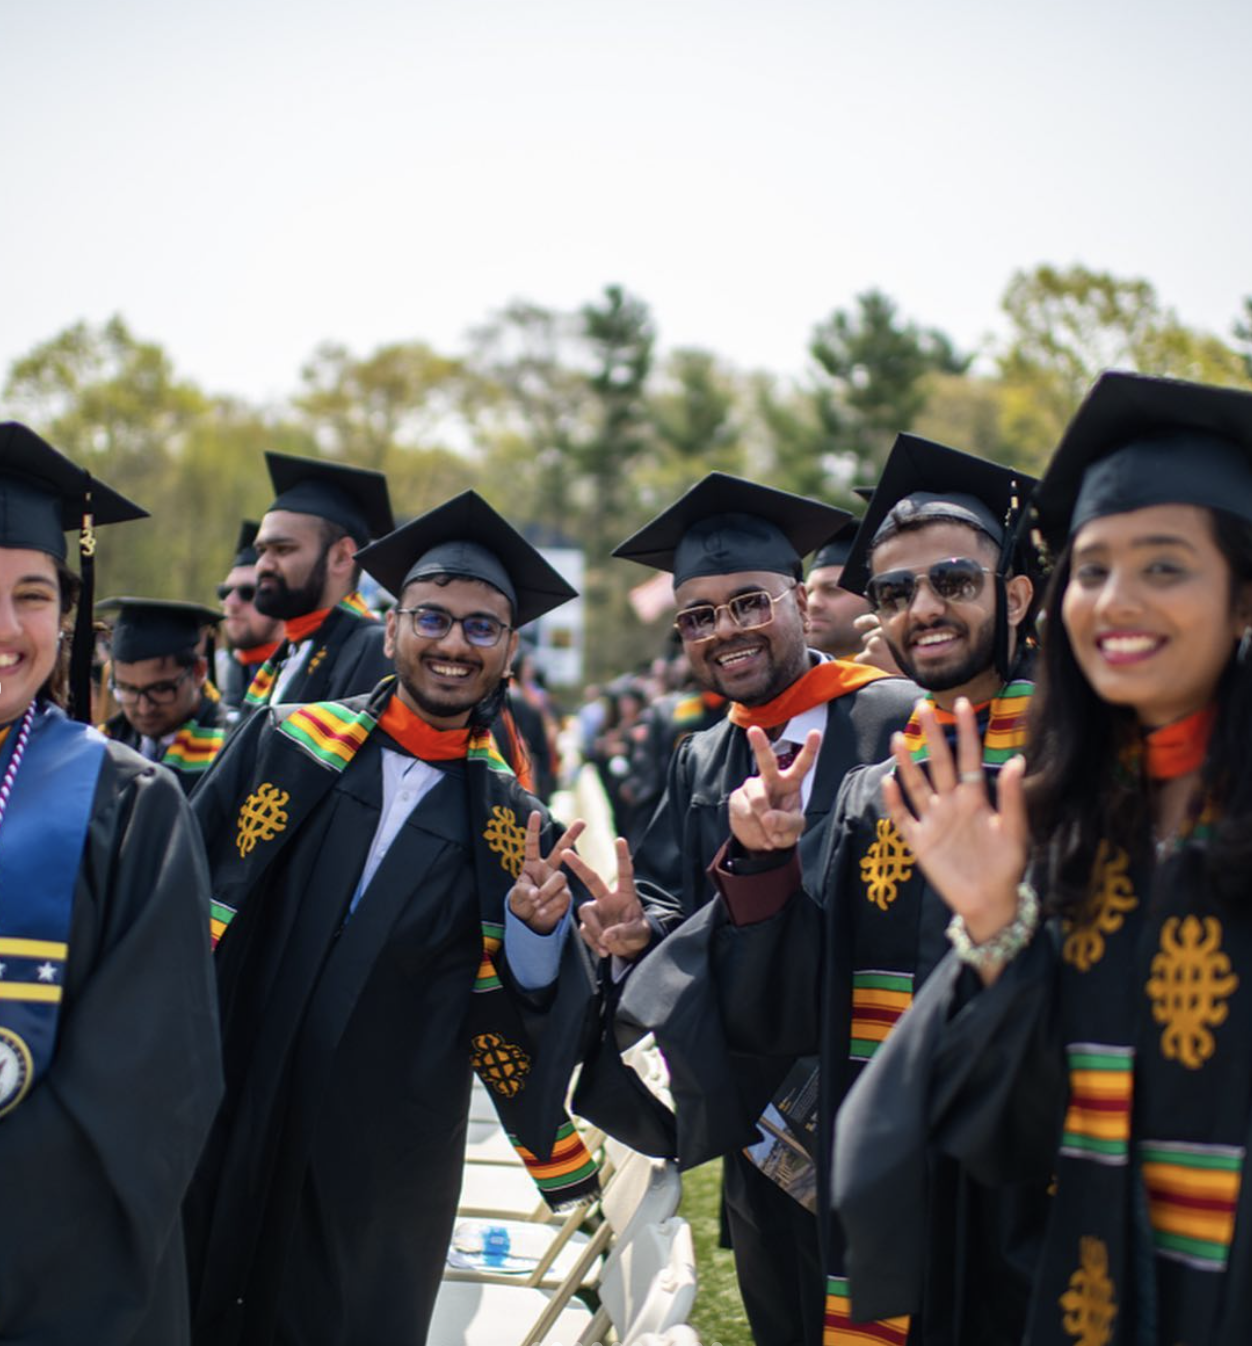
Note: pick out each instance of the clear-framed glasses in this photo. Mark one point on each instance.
(156, 693)
(959, 579)
(479, 628)
(755, 608)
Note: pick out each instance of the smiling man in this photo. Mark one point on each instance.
(936, 558)
(306, 575)
(735, 550)
(362, 855)
(160, 679)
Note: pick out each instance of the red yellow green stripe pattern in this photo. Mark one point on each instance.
(840, 1330)
(262, 684)
(493, 937)
(1101, 1087)
(878, 1000)
(569, 1165)
(356, 605)
(220, 916)
(1192, 1194)
(193, 748)
(482, 748)
(1005, 734)
(328, 733)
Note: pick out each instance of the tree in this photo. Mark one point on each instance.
(1243, 334)
(877, 365)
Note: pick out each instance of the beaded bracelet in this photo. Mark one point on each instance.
(1004, 945)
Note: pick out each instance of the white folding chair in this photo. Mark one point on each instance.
(682, 1335)
(649, 1280)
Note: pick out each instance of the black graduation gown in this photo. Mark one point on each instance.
(347, 659)
(97, 1157)
(775, 1238)
(211, 714)
(322, 1211)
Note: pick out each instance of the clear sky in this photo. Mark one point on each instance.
(243, 179)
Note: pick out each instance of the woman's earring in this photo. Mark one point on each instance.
(1245, 647)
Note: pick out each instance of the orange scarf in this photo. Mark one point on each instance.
(256, 654)
(301, 628)
(1178, 748)
(421, 739)
(824, 682)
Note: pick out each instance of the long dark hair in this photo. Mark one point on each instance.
(1079, 788)
(57, 686)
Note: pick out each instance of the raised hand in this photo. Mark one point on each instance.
(766, 811)
(541, 895)
(874, 648)
(613, 921)
(973, 852)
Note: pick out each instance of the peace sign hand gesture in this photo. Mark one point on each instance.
(613, 921)
(541, 894)
(972, 851)
(767, 810)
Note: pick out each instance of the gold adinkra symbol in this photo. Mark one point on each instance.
(887, 864)
(1191, 978)
(262, 817)
(503, 836)
(502, 1066)
(1088, 1305)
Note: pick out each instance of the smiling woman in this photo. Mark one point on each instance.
(105, 915)
(1124, 1025)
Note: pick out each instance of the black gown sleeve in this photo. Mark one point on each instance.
(98, 1157)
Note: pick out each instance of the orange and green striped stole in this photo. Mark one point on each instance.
(1101, 1087)
(1004, 735)
(1192, 1194)
(488, 979)
(840, 1330)
(193, 748)
(570, 1166)
(878, 1000)
(328, 732)
(262, 685)
(220, 916)
(482, 748)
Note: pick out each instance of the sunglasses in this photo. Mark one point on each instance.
(747, 611)
(479, 628)
(959, 579)
(246, 592)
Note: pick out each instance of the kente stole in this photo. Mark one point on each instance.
(261, 688)
(41, 850)
(1156, 1016)
(882, 914)
(499, 1046)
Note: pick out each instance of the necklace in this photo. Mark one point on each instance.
(19, 751)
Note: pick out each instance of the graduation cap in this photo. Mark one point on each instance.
(927, 482)
(353, 497)
(1138, 441)
(43, 495)
(725, 524)
(466, 538)
(836, 551)
(151, 628)
(924, 482)
(245, 548)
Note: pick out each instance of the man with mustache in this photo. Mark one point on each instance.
(251, 635)
(306, 575)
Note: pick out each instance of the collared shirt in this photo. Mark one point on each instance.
(793, 734)
(154, 748)
(296, 659)
(406, 782)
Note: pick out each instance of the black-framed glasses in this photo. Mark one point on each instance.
(479, 628)
(959, 579)
(156, 693)
(246, 592)
(755, 608)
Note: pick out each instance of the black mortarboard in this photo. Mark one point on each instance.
(353, 497)
(466, 538)
(245, 548)
(42, 497)
(926, 481)
(1138, 441)
(725, 524)
(151, 628)
(837, 549)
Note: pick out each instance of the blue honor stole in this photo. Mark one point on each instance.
(41, 847)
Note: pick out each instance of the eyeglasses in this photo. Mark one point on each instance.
(956, 580)
(246, 592)
(755, 608)
(479, 628)
(157, 693)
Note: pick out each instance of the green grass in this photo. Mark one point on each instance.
(718, 1315)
